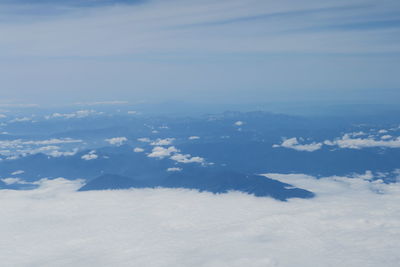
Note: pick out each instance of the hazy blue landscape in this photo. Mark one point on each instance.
(118, 146)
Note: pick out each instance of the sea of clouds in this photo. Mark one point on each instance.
(352, 222)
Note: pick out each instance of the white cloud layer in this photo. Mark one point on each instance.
(347, 224)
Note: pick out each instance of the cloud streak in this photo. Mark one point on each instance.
(348, 141)
(274, 26)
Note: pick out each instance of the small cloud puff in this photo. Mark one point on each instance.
(162, 152)
(174, 169)
(193, 137)
(163, 142)
(90, 156)
(239, 123)
(138, 149)
(187, 158)
(293, 143)
(117, 141)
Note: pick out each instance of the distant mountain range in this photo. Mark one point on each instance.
(205, 180)
(235, 147)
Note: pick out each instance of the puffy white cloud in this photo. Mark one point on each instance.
(172, 152)
(239, 123)
(138, 149)
(162, 152)
(187, 158)
(386, 136)
(174, 169)
(117, 141)
(90, 156)
(293, 143)
(162, 142)
(347, 224)
(193, 137)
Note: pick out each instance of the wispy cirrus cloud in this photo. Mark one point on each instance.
(115, 51)
(268, 25)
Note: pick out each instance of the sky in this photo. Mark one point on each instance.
(226, 51)
(351, 221)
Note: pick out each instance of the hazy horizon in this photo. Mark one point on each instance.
(200, 51)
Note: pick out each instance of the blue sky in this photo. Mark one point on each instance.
(204, 51)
